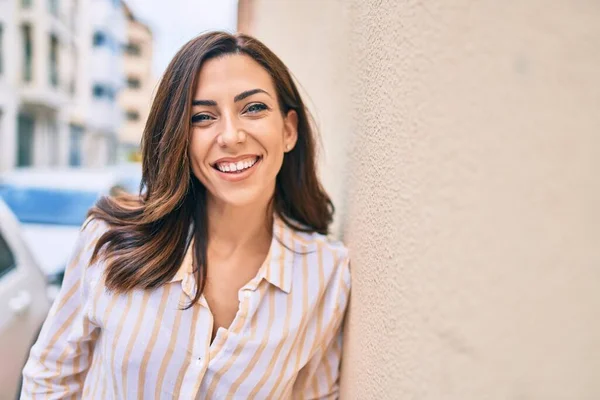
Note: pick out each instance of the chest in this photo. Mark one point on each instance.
(275, 339)
(225, 278)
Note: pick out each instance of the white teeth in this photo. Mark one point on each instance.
(240, 165)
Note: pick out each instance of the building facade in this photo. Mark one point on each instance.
(57, 87)
(136, 97)
(107, 79)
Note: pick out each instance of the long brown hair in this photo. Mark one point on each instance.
(148, 234)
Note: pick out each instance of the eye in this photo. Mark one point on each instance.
(256, 108)
(201, 118)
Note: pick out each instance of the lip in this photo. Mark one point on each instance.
(234, 159)
(240, 176)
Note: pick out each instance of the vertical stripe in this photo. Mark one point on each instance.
(65, 299)
(326, 365)
(317, 342)
(112, 367)
(332, 340)
(166, 290)
(302, 327)
(171, 347)
(305, 310)
(92, 386)
(133, 337)
(258, 351)
(286, 329)
(190, 346)
(50, 346)
(104, 322)
(335, 354)
(76, 365)
(238, 349)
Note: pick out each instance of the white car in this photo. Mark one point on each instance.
(23, 302)
(52, 204)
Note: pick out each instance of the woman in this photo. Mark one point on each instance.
(218, 281)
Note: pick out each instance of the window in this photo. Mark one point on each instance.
(28, 54)
(98, 91)
(1, 49)
(104, 39)
(53, 61)
(99, 38)
(7, 259)
(26, 3)
(52, 140)
(76, 138)
(101, 91)
(25, 127)
(74, 71)
(133, 83)
(133, 49)
(132, 115)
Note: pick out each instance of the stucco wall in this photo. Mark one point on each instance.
(462, 144)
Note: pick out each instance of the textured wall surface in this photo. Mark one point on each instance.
(467, 160)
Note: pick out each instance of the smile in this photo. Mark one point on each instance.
(237, 171)
(237, 167)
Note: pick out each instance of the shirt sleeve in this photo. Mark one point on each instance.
(319, 378)
(59, 360)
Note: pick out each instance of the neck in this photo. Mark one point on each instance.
(235, 228)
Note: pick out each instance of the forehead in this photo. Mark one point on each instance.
(232, 73)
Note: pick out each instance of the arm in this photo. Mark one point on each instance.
(319, 378)
(60, 358)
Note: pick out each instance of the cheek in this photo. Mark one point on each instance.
(197, 152)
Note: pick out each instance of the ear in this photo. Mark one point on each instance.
(290, 127)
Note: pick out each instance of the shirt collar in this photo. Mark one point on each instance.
(276, 269)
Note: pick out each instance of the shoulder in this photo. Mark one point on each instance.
(331, 256)
(90, 233)
(91, 230)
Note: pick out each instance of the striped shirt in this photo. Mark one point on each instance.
(284, 342)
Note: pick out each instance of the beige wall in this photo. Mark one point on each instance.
(468, 137)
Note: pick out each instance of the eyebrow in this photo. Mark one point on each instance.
(239, 97)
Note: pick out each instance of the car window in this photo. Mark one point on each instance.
(7, 259)
(48, 206)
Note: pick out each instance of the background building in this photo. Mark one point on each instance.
(109, 37)
(461, 147)
(8, 83)
(136, 98)
(60, 73)
(38, 40)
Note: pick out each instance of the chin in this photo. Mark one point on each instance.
(242, 198)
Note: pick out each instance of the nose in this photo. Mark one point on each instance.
(232, 133)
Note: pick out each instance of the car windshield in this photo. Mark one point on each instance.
(48, 206)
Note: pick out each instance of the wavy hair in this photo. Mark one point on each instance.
(147, 237)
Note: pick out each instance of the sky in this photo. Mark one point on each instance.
(174, 22)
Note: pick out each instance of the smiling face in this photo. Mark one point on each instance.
(239, 134)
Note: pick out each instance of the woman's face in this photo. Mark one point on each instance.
(239, 134)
